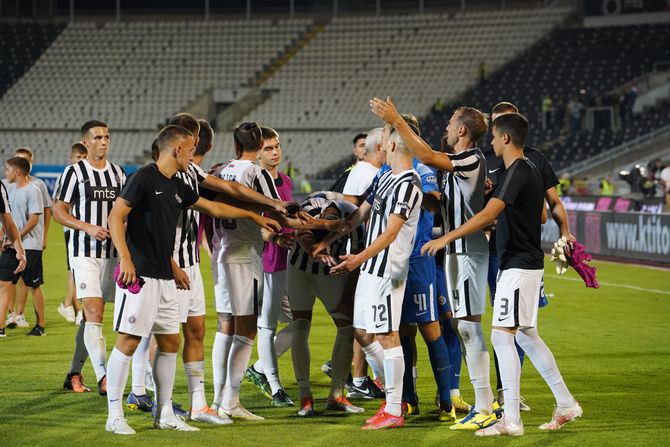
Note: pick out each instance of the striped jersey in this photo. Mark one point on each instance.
(54, 197)
(4, 200)
(240, 239)
(315, 206)
(91, 194)
(186, 250)
(463, 197)
(394, 194)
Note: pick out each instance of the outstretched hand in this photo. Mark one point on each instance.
(384, 109)
(349, 264)
(267, 223)
(430, 248)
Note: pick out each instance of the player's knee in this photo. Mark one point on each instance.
(225, 323)
(430, 331)
(363, 338)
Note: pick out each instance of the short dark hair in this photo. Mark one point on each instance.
(187, 121)
(269, 133)
(169, 133)
(513, 124)
(474, 120)
(413, 123)
(88, 125)
(19, 163)
(24, 151)
(358, 137)
(78, 148)
(504, 107)
(155, 150)
(247, 137)
(205, 137)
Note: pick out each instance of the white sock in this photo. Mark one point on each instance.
(301, 356)
(509, 367)
(220, 351)
(394, 366)
(374, 355)
(358, 381)
(283, 340)
(454, 393)
(80, 353)
(415, 375)
(140, 364)
(240, 353)
(543, 360)
(195, 378)
(96, 347)
(342, 354)
(165, 368)
(267, 359)
(117, 376)
(478, 362)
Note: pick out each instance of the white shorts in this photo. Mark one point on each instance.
(154, 310)
(192, 301)
(304, 288)
(273, 308)
(516, 302)
(378, 304)
(94, 277)
(245, 287)
(466, 283)
(221, 297)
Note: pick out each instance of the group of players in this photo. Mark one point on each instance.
(367, 255)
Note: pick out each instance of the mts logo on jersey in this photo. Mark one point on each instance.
(103, 193)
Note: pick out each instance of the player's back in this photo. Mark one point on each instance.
(240, 239)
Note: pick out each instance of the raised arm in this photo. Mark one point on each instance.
(386, 111)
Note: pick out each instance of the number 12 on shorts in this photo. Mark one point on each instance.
(379, 312)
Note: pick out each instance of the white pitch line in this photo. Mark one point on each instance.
(623, 286)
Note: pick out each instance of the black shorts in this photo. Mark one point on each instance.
(32, 274)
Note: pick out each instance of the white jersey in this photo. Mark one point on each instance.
(394, 194)
(91, 194)
(360, 178)
(186, 250)
(463, 197)
(240, 239)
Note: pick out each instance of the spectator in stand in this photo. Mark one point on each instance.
(607, 188)
(574, 109)
(664, 177)
(564, 185)
(547, 111)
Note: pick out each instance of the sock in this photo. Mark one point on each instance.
(195, 378)
(220, 352)
(283, 340)
(415, 376)
(80, 353)
(478, 362)
(301, 356)
(267, 359)
(341, 356)
(374, 355)
(408, 391)
(96, 347)
(240, 353)
(140, 364)
(455, 355)
(543, 360)
(520, 352)
(510, 372)
(439, 361)
(358, 381)
(393, 371)
(117, 376)
(165, 368)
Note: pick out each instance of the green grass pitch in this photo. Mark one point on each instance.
(611, 346)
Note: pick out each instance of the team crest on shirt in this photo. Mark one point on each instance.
(442, 300)
(132, 319)
(82, 286)
(176, 196)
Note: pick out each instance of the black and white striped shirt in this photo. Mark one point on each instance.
(463, 197)
(186, 250)
(91, 194)
(4, 200)
(394, 194)
(315, 206)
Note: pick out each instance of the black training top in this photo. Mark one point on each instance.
(156, 202)
(519, 225)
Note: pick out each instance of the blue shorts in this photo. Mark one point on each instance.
(420, 303)
(441, 290)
